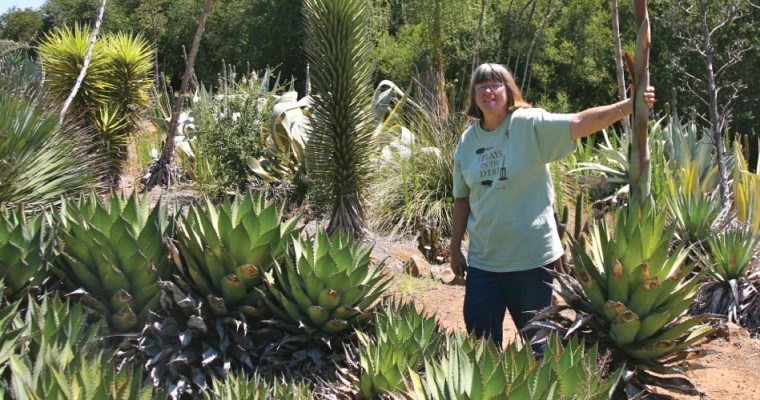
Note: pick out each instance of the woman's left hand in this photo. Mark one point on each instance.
(649, 97)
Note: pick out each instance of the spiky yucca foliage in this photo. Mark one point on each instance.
(327, 285)
(475, 370)
(630, 295)
(25, 248)
(729, 291)
(41, 161)
(341, 123)
(224, 251)
(113, 92)
(113, 252)
(257, 388)
(184, 346)
(62, 52)
(402, 339)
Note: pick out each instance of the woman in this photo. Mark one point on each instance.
(503, 195)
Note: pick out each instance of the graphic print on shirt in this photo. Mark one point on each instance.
(491, 165)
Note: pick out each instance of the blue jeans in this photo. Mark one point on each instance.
(488, 295)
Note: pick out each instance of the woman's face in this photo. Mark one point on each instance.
(491, 97)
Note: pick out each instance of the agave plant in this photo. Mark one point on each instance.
(341, 129)
(402, 339)
(327, 284)
(25, 249)
(184, 346)
(257, 388)
(629, 295)
(113, 252)
(224, 251)
(694, 215)
(729, 291)
(478, 370)
(41, 161)
(61, 359)
(12, 334)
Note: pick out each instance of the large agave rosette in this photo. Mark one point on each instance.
(631, 294)
(327, 284)
(225, 250)
(113, 252)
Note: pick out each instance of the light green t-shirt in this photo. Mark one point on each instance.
(505, 173)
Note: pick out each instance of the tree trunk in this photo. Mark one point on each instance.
(618, 55)
(537, 37)
(85, 63)
(433, 80)
(163, 172)
(475, 57)
(716, 123)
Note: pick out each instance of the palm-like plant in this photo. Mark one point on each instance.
(112, 93)
(62, 52)
(41, 162)
(340, 133)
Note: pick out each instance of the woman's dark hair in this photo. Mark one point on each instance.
(496, 73)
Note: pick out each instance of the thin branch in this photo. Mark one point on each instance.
(85, 64)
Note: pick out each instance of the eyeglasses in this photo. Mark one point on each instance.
(494, 86)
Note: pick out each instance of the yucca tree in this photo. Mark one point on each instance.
(41, 162)
(340, 133)
(223, 252)
(62, 52)
(327, 285)
(25, 249)
(113, 252)
(113, 92)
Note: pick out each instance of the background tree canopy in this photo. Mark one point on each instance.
(560, 51)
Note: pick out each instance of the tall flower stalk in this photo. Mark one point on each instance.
(638, 66)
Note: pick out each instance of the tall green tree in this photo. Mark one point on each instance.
(21, 25)
(340, 137)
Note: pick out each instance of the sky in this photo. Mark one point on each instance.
(22, 4)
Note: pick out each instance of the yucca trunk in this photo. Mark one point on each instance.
(340, 136)
(641, 174)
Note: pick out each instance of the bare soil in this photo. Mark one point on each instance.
(730, 370)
